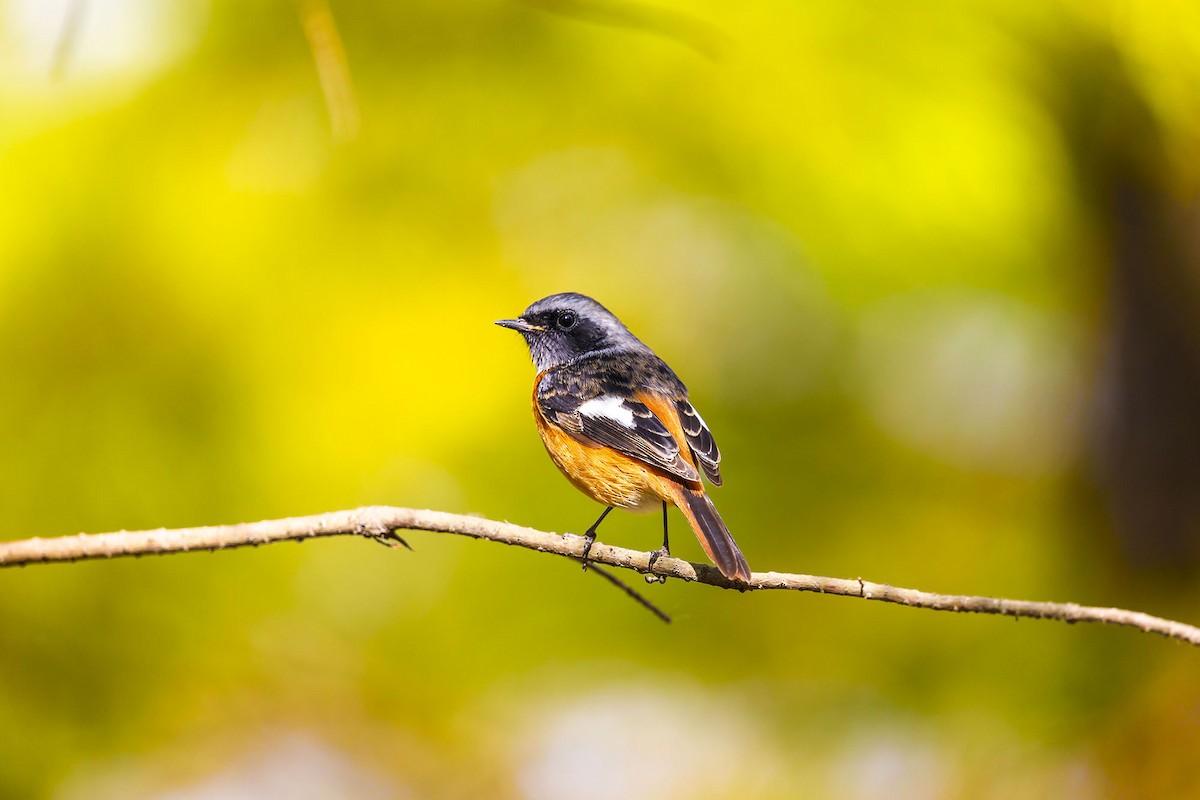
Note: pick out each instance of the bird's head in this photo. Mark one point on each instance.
(564, 327)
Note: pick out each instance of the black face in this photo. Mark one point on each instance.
(563, 327)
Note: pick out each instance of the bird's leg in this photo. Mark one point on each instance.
(665, 550)
(590, 536)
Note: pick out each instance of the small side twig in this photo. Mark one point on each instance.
(637, 596)
(372, 520)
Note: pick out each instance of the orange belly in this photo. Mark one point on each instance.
(602, 474)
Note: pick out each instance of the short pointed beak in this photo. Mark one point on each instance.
(518, 325)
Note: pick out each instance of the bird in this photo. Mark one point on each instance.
(617, 422)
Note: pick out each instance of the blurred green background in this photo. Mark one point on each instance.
(931, 272)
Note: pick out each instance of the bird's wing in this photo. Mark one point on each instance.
(622, 423)
(700, 441)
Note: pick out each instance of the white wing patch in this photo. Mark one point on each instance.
(608, 406)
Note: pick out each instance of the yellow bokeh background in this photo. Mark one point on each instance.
(865, 234)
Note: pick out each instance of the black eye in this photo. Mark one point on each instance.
(566, 320)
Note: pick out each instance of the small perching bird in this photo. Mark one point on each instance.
(617, 422)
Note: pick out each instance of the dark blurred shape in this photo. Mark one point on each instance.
(1150, 450)
(1147, 423)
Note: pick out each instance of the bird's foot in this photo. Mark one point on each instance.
(654, 557)
(589, 539)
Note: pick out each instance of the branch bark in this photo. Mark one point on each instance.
(382, 522)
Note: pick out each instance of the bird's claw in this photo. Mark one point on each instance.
(654, 557)
(589, 540)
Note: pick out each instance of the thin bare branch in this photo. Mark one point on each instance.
(333, 69)
(381, 523)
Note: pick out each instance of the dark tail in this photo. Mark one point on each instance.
(713, 534)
